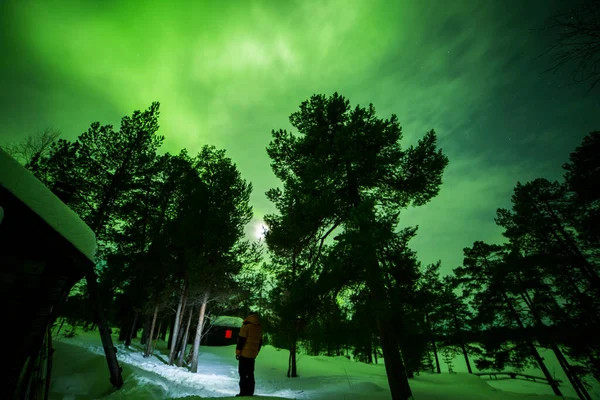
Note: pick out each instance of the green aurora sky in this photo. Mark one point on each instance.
(227, 72)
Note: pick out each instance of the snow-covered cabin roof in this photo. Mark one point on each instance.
(231, 322)
(29, 190)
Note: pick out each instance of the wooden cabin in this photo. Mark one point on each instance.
(45, 248)
(223, 331)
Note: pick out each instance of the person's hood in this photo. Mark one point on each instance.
(253, 319)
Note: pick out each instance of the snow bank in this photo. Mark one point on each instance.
(81, 372)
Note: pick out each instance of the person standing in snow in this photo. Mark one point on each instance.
(248, 346)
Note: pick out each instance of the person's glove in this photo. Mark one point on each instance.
(237, 357)
(238, 353)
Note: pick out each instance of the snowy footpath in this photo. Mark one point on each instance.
(80, 372)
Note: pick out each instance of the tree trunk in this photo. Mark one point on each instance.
(60, 326)
(578, 386)
(198, 336)
(179, 342)
(180, 346)
(462, 342)
(292, 371)
(177, 319)
(294, 363)
(435, 352)
(394, 366)
(50, 352)
(109, 350)
(131, 332)
(533, 349)
(146, 330)
(157, 337)
(185, 338)
(466, 355)
(437, 360)
(171, 329)
(148, 348)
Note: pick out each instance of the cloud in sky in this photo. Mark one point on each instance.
(226, 73)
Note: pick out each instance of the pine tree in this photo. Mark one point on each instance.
(482, 277)
(345, 169)
(147, 213)
(93, 176)
(525, 280)
(207, 237)
(581, 178)
(543, 225)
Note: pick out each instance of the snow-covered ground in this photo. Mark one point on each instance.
(80, 372)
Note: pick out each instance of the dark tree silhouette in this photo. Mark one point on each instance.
(345, 169)
(32, 147)
(578, 42)
(483, 276)
(581, 177)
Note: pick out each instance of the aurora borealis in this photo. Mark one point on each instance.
(227, 72)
